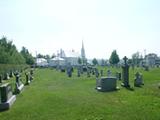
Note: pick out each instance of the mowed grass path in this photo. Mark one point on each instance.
(54, 96)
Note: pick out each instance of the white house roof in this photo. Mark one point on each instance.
(40, 60)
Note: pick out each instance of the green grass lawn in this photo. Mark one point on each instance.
(54, 96)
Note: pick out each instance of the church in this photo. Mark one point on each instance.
(71, 57)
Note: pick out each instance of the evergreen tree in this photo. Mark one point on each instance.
(9, 53)
(79, 60)
(114, 59)
(94, 61)
(28, 57)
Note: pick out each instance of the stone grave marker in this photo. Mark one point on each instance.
(101, 72)
(118, 74)
(125, 73)
(69, 71)
(6, 76)
(96, 72)
(105, 84)
(146, 68)
(93, 71)
(7, 97)
(62, 69)
(138, 81)
(11, 74)
(88, 72)
(31, 75)
(78, 72)
(19, 85)
(1, 78)
(109, 73)
(27, 78)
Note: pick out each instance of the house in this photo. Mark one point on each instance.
(56, 61)
(41, 62)
(152, 59)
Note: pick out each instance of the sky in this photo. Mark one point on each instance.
(46, 26)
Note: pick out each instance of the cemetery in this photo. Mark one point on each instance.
(81, 97)
(78, 90)
(80, 60)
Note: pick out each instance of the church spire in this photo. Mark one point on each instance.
(83, 51)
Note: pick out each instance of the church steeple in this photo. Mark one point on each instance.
(83, 51)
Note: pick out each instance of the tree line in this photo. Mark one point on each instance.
(10, 55)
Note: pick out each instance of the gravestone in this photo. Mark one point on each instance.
(81, 69)
(78, 72)
(125, 73)
(19, 85)
(69, 71)
(93, 71)
(7, 98)
(31, 75)
(27, 78)
(62, 69)
(1, 78)
(96, 72)
(109, 73)
(11, 74)
(138, 81)
(88, 72)
(84, 68)
(146, 68)
(101, 72)
(118, 74)
(6, 76)
(106, 84)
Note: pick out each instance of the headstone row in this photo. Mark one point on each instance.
(7, 98)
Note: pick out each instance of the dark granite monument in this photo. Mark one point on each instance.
(1, 78)
(11, 74)
(106, 84)
(78, 72)
(7, 98)
(125, 73)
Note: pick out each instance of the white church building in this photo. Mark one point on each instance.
(71, 57)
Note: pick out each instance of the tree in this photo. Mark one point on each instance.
(102, 62)
(28, 57)
(47, 57)
(137, 58)
(53, 55)
(79, 60)
(9, 53)
(94, 61)
(40, 56)
(114, 58)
